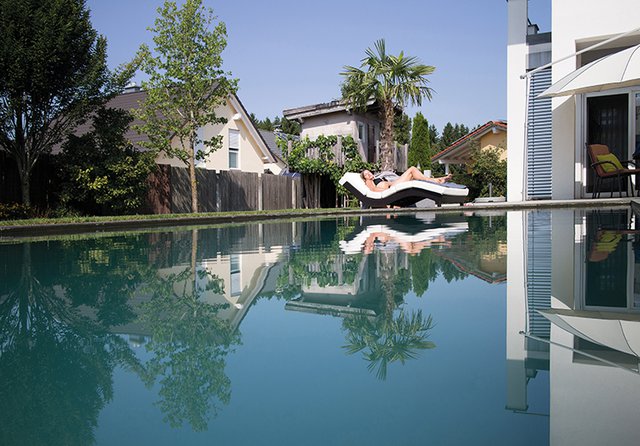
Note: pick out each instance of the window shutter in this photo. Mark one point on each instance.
(539, 138)
(539, 272)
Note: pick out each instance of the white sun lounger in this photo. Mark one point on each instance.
(356, 244)
(403, 194)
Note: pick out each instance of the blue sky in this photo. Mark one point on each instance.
(289, 53)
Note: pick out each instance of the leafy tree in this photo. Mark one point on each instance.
(101, 171)
(420, 148)
(290, 127)
(485, 168)
(266, 125)
(53, 74)
(392, 81)
(186, 84)
(402, 129)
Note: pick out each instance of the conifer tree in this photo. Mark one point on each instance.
(420, 148)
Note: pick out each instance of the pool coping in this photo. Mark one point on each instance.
(44, 229)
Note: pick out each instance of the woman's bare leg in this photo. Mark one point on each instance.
(413, 173)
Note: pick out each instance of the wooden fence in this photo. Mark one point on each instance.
(222, 191)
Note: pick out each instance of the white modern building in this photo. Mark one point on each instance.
(547, 137)
(573, 313)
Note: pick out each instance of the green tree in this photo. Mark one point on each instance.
(392, 81)
(290, 127)
(420, 148)
(448, 136)
(451, 133)
(53, 74)
(434, 135)
(402, 129)
(186, 84)
(101, 171)
(486, 168)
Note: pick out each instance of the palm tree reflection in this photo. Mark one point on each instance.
(384, 341)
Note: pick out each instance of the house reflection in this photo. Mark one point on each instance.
(572, 309)
(347, 278)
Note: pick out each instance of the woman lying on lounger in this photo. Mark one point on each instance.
(411, 173)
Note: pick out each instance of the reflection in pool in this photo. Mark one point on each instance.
(389, 329)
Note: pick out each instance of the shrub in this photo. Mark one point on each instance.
(484, 168)
(102, 173)
(15, 211)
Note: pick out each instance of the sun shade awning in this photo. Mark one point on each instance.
(616, 331)
(618, 70)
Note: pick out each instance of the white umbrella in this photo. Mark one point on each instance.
(621, 69)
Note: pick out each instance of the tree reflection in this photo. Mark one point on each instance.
(381, 280)
(56, 362)
(189, 343)
(385, 340)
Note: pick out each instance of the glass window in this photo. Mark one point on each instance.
(236, 285)
(234, 149)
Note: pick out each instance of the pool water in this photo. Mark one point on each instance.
(386, 329)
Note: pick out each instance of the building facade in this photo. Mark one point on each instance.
(335, 118)
(243, 148)
(492, 135)
(548, 137)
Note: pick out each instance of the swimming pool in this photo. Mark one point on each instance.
(384, 329)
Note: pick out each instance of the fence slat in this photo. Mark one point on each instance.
(229, 191)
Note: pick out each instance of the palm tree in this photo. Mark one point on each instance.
(391, 81)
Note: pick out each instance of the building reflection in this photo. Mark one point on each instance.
(572, 309)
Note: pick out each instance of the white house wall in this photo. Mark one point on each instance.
(516, 98)
(249, 156)
(575, 24)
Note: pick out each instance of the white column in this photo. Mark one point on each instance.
(516, 312)
(516, 98)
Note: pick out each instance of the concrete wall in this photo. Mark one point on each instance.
(340, 123)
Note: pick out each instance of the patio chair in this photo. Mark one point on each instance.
(607, 166)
